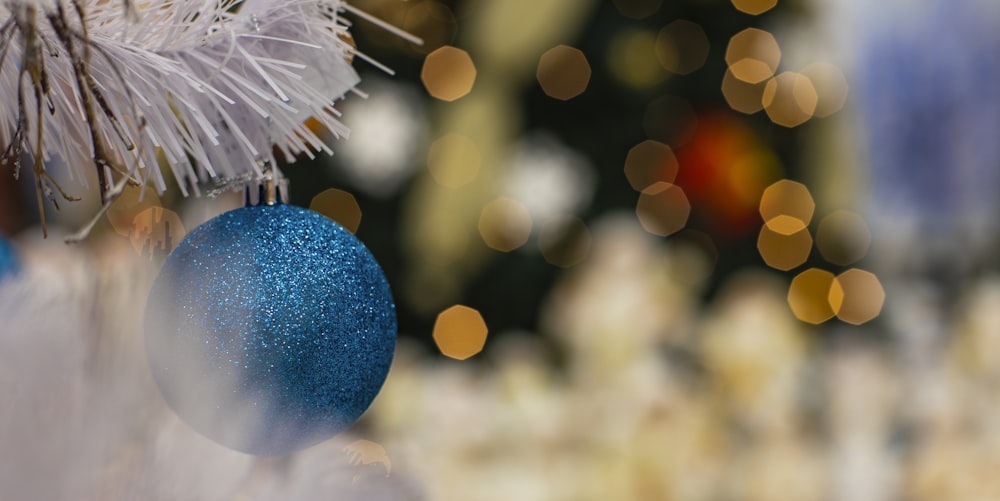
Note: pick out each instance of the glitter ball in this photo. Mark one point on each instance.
(270, 328)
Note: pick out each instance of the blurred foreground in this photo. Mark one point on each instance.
(643, 393)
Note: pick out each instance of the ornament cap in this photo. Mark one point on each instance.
(270, 189)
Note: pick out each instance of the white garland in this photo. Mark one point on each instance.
(207, 85)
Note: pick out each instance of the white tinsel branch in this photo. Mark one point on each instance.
(207, 85)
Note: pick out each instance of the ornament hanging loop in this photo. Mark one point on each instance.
(270, 189)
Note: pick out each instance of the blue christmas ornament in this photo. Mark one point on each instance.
(8, 259)
(270, 328)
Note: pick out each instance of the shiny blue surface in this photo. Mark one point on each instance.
(8, 259)
(270, 329)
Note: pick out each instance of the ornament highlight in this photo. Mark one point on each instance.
(270, 328)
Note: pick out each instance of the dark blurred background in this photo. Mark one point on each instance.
(631, 96)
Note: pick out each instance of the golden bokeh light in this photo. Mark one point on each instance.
(637, 9)
(448, 73)
(808, 296)
(339, 206)
(156, 230)
(789, 99)
(453, 160)
(123, 211)
(650, 162)
(742, 96)
(785, 225)
(564, 242)
(836, 296)
(789, 198)
(682, 47)
(751, 172)
(831, 87)
(663, 209)
(460, 332)
(563, 72)
(505, 224)
(857, 296)
(843, 237)
(366, 452)
(431, 21)
(753, 55)
(754, 7)
(784, 252)
(632, 59)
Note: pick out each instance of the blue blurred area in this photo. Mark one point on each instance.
(928, 92)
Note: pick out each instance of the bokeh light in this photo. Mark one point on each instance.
(505, 224)
(785, 224)
(663, 208)
(753, 55)
(754, 7)
(788, 198)
(857, 296)
(632, 59)
(790, 99)
(650, 162)
(448, 73)
(831, 87)
(431, 21)
(339, 206)
(460, 332)
(156, 231)
(808, 296)
(563, 72)
(741, 96)
(682, 47)
(724, 169)
(367, 452)
(784, 251)
(123, 211)
(550, 178)
(453, 160)
(843, 237)
(564, 242)
(397, 117)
